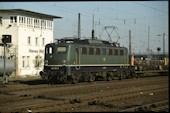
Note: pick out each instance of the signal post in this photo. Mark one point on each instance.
(5, 39)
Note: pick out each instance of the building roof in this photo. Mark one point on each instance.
(29, 12)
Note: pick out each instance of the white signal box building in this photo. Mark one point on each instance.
(30, 32)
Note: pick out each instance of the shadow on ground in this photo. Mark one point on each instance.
(31, 82)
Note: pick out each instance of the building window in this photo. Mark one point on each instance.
(38, 61)
(23, 61)
(0, 19)
(13, 19)
(49, 25)
(36, 40)
(29, 22)
(43, 24)
(36, 23)
(29, 40)
(43, 41)
(22, 20)
(28, 64)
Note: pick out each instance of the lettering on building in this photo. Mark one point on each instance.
(36, 51)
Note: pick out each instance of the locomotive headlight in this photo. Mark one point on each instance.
(46, 62)
(63, 61)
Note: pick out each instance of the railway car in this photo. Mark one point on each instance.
(10, 66)
(74, 60)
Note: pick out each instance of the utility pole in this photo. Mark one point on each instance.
(148, 38)
(130, 47)
(79, 34)
(148, 35)
(5, 39)
(93, 28)
(4, 74)
(164, 44)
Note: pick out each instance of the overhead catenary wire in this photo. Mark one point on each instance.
(103, 20)
(150, 7)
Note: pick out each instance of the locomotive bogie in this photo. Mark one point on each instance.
(86, 73)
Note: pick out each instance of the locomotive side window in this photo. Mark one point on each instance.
(121, 52)
(125, 52)
(84, 50)
(97, 51)
(116, 52)
(110, 52)
(61, 50)
(104, 51)
(91, 51)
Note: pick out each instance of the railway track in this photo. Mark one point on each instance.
(100, 100)
(154, 107)
(38, 84)
(79, 96)
(12, 87)
(74, 89)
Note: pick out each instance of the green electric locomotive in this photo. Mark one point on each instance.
(74, 60)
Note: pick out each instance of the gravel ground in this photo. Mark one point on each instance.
(32, 93)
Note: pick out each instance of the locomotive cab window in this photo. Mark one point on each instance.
(49, 50)
(61, 50)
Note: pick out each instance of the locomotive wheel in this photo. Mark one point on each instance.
(109, 78)
(52, 79)
(91, 78)
(43, 77)
(64, 79)
(75, 79)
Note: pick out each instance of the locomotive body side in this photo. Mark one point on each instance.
(84, 62)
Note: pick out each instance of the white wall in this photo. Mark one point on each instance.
(20, 44)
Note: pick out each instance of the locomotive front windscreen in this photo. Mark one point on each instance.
(56, 54)
(59, 50)
(48, 50)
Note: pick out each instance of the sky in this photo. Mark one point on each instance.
(145, 19)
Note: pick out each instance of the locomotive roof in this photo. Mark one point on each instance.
(86, 42)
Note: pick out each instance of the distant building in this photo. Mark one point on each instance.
(30, 31)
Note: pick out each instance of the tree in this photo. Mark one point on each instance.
(38, 61)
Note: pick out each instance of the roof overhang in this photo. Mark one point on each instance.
(29, 12)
